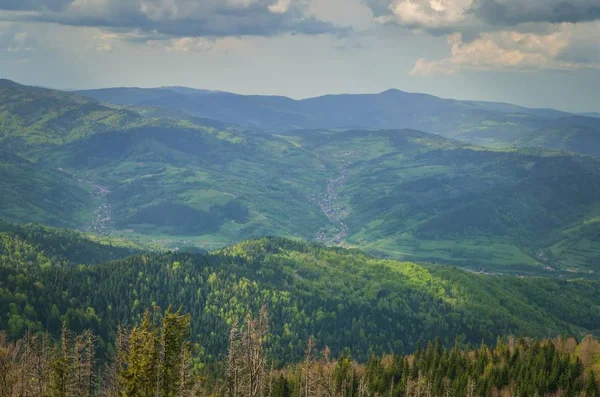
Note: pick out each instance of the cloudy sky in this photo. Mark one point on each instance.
(543, 53)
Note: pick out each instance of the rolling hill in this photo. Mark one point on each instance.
(159, 174)
(421, 197)
(184, 182)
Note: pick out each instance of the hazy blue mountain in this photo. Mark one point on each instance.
(501, 107)
(126, 95)
(475, 122)
(592, 114)
(575, 134)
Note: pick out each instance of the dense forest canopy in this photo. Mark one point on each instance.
(344, 298)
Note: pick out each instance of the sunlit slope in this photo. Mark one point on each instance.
(418, 196)
(343, 298)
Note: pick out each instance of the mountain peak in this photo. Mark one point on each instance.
(392, 91)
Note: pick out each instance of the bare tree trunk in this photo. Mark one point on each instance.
(246, 359)
(112, 383)
(233, 370)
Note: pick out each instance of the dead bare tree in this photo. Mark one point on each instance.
(246, 358)
(234, 362)
(447, 388)
(83, 357)
(308, 387)
(186, 381)
(471, 388)
(112, 379)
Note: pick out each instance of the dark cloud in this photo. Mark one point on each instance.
(514, 12)
(175, 18)
(444, 16)
(378, 7)
(33, 5)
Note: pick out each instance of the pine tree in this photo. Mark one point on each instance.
(174, 336)
(62, 368)
(591, 385)
(140, 378)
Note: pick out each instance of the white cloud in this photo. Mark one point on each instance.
(280, 6)
(353, 13)
(199, 44)
(506, 50)
(427, 14)
(20, 38)
(486, 15)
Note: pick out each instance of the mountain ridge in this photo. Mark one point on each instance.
(491, 124)
(391, 91)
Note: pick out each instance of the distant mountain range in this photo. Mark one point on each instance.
(479, 123)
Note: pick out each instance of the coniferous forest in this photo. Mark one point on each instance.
(155, 358)
(274, 317)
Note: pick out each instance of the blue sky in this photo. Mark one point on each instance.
(542, 53)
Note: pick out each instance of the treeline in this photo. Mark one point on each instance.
(156, 358)
(510, 368)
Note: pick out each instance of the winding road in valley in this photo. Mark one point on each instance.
(100, 221)
(332, 207)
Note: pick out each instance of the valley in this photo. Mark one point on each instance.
(193, 184)
(99, 220)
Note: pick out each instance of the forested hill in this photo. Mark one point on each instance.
(344, 298)
(60, 247)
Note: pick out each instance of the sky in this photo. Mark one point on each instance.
(538, 53)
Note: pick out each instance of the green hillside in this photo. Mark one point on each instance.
(63, 246)
(33, 116)
(152, 173)
(219, 185)
(342, 297)
(158, 177)
(421, 197)
(31, 193)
